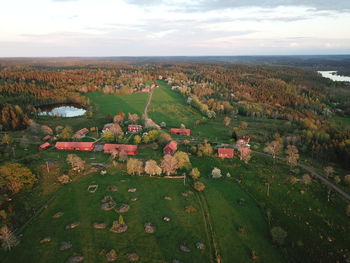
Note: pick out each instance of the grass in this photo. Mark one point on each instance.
(112, 104)
(308, 218)
(169, 106)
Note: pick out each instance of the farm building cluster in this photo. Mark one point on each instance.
(223, 151)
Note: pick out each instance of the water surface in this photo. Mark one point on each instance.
(63, 111)
(334, 76)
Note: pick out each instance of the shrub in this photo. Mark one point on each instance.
(7, 239)
(190, 209)
(347, 179)
(216, 173)
(64, 179)
(307, 179)
(337, 179)
(278, 235)
(199, 186)
(347, 210)
(195, 173)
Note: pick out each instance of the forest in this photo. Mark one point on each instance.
(297, 95)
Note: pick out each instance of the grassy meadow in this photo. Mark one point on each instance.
(317, 228)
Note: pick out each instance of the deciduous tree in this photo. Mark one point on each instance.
(14, 177)
(273, 148)
(137, 139)
(292, 155)
(66, 133)
(227, 121)
(169, 164)
(8, 239)
(152, 168)
(134, 166)
(76, 162)
(182, 158)
(195, 173)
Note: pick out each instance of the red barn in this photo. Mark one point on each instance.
(134, 128)
(46, 138)
(226, 153)
(75, 146)
(128, 148)
(170, 148)
(81, 133)
(145, 90)
(186, 132)
(44, 146)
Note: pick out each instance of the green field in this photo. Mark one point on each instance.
(112, 104)
(169, 106)
(304, 211)
(163, 246)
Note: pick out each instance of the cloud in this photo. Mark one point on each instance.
(207, 5)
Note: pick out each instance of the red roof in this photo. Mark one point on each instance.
(128, 148)
(46, 138)
(44, 146)
(171, 147)
(180, 131)
(78, 146)
(226, 152)
(134, 128)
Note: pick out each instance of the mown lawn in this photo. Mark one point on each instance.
(112, 104)
(80, 205)
(169, 106)
(317, 228)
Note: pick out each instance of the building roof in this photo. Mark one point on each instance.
(225, 151)
(74, 144)
(172, 145)
(44, 145)
(83, 131)
(46, 138)
(134, 126)
(179, 130)
(126, 147)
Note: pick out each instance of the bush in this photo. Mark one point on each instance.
(190, 209)
(216, 173)
(278, 235)
(199, 186)
(195, 173)
(307, 179)
(347, 210)
(347, 179)
(64, 179)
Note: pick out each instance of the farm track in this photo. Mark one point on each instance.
(148, 103)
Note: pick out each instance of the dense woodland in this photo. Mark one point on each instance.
(296, 95)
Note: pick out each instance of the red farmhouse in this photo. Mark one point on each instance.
(44, 146)
(186, 132)
(75, 146)
(225, 152)
(128, 148)
(170, 148)
(134, 128)
(47, 137)
(145, 90)
(81, 133)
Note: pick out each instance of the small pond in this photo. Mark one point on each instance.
(62, 111)
(334, 76)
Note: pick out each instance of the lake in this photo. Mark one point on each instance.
(63, 111)
(333, 76)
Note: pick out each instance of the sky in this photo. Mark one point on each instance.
(54, 28)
